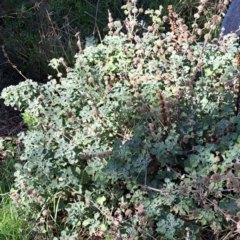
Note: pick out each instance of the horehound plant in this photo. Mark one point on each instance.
(139, 140)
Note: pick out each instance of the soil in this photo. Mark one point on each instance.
(11, 122)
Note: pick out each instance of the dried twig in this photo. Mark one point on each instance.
(14, 66)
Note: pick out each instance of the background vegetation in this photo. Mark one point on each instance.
(34, 31)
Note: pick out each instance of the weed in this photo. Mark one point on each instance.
(139, 138)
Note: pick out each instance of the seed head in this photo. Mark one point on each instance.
(46, 212)
(202, 84)
(150, 28)
(215, 41)
(144, 108)
(111, 25)
(216, 177)
(112, 77)
(235, 183)
(61, 60)
(139, 46)
(68, 69)
(139, 66)
(199, 31)
(59, 74)
(107, 88)
(170, 49)
(133, 23)
(155, 49)
(206, 181)
(159, 42)
(169, 38)
(164, 18)
(200, 8)
(229, 176)
(191, 39)
(136, 38)
(40, 198)
(194, 26)
(128, 213)
(216, 19)
(212, 90)
(207, 25)
(207, 36)
(215, 168)
(34, 193)
(221, 7)
(135, 11)
(147, 53)
(237, 166)
(236, 189)
(196, 16)
(191, 92)
(50, 223)
(129, 103)
(225, 167)
(90, 79)
(228, 217)
(139, 97)
(141, 212)
(29, 191)
(180, 93)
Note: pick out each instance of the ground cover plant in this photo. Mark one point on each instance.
(139, 140)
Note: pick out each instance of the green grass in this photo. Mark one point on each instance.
(12, 226)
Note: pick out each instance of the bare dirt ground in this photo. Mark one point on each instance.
(11, 122)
